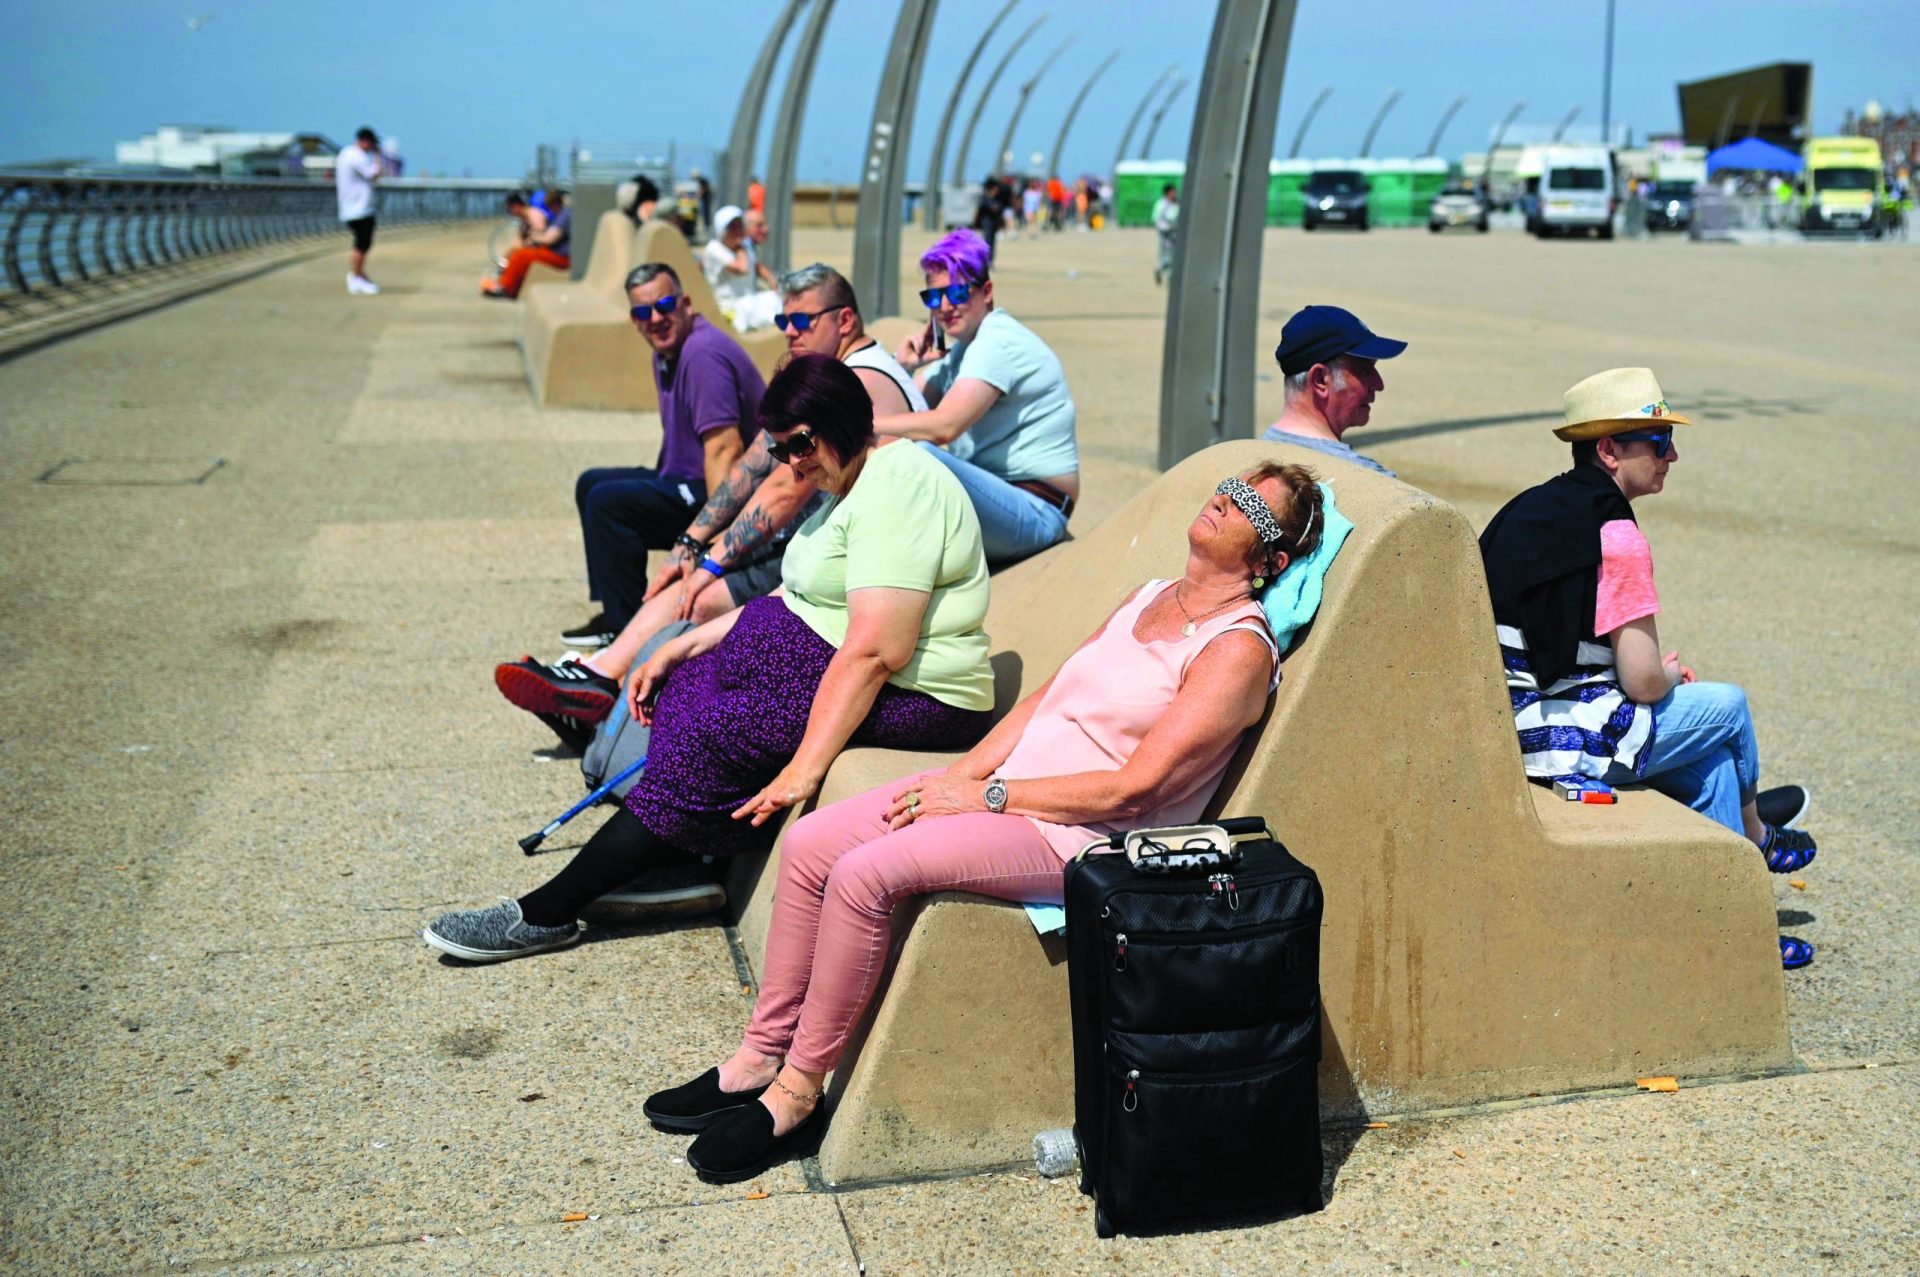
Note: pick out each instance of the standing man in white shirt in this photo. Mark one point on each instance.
(355, 170)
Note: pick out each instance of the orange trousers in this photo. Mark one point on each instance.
(522, 260)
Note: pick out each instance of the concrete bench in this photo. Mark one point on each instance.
(577, 337)
(1482, 940)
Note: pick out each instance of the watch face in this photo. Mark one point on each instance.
(997, 796)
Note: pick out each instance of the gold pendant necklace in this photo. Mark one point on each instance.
(1193, 622)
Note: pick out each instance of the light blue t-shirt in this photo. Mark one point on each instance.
(1029, 431)
(1332, 447)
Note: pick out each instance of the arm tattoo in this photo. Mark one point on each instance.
(750, 531)
(724, 502)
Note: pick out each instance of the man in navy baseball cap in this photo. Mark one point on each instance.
(1329, 359)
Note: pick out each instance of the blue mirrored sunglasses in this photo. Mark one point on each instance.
(1662, 441)
(666, 306)
(800, 320)
(958, 294)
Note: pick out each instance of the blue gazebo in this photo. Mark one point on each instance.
(1751, 155)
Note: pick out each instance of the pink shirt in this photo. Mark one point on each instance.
(1104, 701)
(1626, 578)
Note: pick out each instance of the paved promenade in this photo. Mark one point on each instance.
(258, 553)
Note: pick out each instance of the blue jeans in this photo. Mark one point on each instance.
(1703, 752)
(1013, 522)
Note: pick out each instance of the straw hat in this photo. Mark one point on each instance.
(1614, 401)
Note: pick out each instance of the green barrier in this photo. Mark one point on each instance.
(1136, 188)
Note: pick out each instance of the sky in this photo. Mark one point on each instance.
(474, 88)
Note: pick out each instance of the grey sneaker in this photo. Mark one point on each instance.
(496, 934)
(659, 895)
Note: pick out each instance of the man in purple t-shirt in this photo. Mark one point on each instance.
(709, 401)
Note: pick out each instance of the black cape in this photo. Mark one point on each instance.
(1542, 555)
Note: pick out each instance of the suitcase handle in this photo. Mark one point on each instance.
(1234, 826)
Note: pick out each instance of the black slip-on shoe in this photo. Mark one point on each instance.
(1785, 806)
(595, 633)
(741, 1144)
(696, 1105)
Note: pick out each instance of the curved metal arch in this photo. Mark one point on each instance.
(1366, 143)
(986, 95)
(876, 235)
(1313, 109)
(1446, 118)
(1060, 142)
(1002, 155)
(1120, 151)
(1179, 86)
(938, 157)
(786, 139)
(746, 116)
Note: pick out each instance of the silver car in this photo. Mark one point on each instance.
(1457, 204)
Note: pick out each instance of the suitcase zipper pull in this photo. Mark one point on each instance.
(1120, 952)
(1131, 1100)
(1233, 893)
(1222, 885)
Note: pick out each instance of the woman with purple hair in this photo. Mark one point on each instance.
(874, 638)
(1002, 420)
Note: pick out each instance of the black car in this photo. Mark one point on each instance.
(1669, 206)
(1334, 197)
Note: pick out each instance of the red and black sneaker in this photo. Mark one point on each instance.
(567, 687)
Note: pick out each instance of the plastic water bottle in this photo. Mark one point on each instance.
(1054, 1153)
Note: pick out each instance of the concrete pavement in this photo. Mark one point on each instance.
(252, 745)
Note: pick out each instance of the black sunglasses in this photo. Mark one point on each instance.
(800, 320)
(799, 444)
(1662, 441)
(666, 306)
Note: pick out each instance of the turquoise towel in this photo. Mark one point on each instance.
(1290, 602)
(1293, 598)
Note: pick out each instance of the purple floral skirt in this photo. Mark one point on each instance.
(728, 720)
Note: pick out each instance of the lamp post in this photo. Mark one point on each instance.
(1366, 143)
(1004, 156)
(746, 117)
(786, 139)
(1120, 152)
(1499, 135)
(932, 217)
(1153, 125)
(876, 235)
(1606, 84)
(1060, 142)
(1446, 118)
(1561, 129)
(986, 95)
(1313, 109)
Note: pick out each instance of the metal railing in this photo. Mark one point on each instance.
(62, 233)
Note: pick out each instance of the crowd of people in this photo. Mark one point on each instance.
(806, 567)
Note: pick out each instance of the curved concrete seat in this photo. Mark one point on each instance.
(1482, 938)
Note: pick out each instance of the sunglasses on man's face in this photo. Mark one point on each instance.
(800, 320)
(800, 443)
(958, 294)
(1662, 441)
(666, 306)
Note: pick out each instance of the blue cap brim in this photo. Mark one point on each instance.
(1378, 348)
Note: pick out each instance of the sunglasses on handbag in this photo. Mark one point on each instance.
(1662, 441)
(800, 443)
(666, 306)
(800, 320)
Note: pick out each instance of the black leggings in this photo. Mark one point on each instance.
(620, 851)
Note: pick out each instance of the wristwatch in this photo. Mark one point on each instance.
(996, 795)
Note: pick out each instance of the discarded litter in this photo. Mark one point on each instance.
(1458, 1153)
(1798, 884)
(1378, 1126)
(531, 1096)
(574, 1217)
(1658, 1084)
(758, 1195)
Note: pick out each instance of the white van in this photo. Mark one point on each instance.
(1578, 192)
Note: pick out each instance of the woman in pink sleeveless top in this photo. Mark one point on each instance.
(1133, 731)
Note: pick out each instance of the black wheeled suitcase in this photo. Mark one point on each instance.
(1193, 967)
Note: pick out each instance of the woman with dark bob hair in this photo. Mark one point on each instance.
(874, 638)
(1135, 730)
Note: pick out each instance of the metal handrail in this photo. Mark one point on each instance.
(65, 234)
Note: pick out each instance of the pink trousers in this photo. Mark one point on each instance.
(841, 874)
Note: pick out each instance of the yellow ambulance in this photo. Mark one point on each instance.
(1844, 186)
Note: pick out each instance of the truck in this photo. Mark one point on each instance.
(1843, 186)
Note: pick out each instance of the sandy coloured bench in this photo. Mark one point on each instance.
(580, 346)
(1483, 939)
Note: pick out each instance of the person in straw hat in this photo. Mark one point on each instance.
(1571, 578)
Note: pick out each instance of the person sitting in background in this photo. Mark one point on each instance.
(1329, 359)
(1001, 411)
(1071, 763)
(731, 262)
(732, 552)
(639, 199)
(546, 239)
(875, 640)
(1571, 578)
(709, 393)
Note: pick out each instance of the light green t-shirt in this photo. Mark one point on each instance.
(907, 524)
